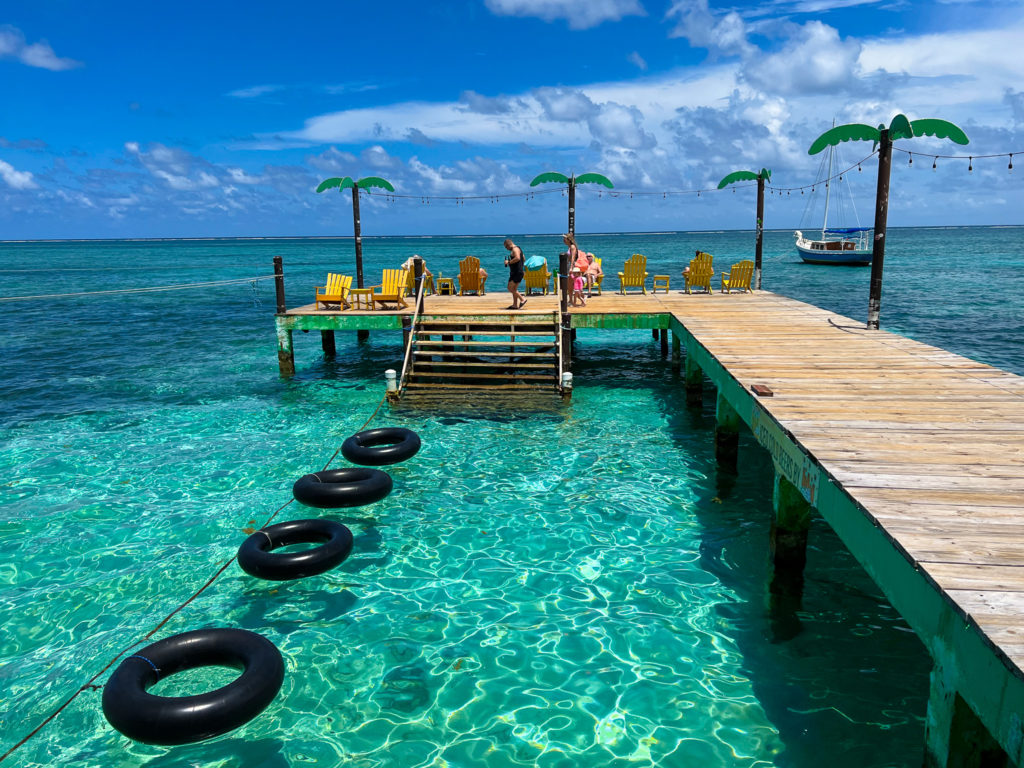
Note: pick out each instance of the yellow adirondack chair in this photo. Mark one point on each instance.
(701, 272)
(634, 273)
(469, 277)
(598, 279)
(410, 284)
(335, 292)
(392, 288)
(537, 278)
(738, 278)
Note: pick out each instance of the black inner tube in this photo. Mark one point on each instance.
(257, 558)
(334, 488)
(170, 720)
(377, 447)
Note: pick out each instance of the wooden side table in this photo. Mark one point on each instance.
(446, 286)
(660, 281)
(362, 298)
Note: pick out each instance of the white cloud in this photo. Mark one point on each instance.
(14, 46)
(581, 14)
(255, 91)
(814, 60)
(726, 35)
(637, 60)
(16, 179)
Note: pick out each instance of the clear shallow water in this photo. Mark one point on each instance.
(573, 587)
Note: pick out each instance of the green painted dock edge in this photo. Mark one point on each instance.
(966, 662)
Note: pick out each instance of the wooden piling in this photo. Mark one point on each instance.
(727, 433)
(663, 333)
(327, 343)
(676, 352)
(694, 382)
(279, 285)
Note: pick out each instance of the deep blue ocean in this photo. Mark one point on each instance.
(575, 586)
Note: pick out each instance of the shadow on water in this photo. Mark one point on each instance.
(831, 662)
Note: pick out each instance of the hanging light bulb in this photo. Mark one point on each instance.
(1010, 166)
(911, 160)
(970, 164)
(934, 161)
(858, 167)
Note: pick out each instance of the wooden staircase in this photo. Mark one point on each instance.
(463, 354)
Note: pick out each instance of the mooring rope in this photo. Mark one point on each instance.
(151, 289)
(88, 685)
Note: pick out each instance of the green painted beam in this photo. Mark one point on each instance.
(620, 322)
(339, 322)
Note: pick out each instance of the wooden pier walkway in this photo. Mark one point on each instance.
(913, 454)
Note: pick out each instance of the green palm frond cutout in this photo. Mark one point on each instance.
(550, 176)
(941, 129)
(900, 128)
(765, 174)
(852, 132)
(375, 181)
(593, 178)
(737, 176)
(344, 183)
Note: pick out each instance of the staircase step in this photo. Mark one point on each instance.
(447, 375)
(480, 353)
(460, 332)
(546, 343)
(444, 363)
(430, 385)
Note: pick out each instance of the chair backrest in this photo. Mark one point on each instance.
(741, 274)
(700, 273)
(469, 273)
(635, 270)
(538, 278)
(704, 258)
(337, 285)
(393, 282)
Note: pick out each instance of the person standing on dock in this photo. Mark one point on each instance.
(516, 272)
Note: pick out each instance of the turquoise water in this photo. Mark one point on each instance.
(576, 586)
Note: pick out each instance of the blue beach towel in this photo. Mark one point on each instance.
(535, 262)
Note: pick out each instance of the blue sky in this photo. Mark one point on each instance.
(214, 119)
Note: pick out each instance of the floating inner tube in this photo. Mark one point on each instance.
(335, 488)
(184, 719)
(376, 447)
(257, 558)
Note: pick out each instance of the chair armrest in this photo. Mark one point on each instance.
(321, 288)
(377, 288)
(621, 275)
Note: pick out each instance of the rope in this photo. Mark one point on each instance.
(89, 683)
(153, 289)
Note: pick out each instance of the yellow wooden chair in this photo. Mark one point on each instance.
(410, 284)
(738, 278)
(537, 278)
(597, 282)
(392, 288)
(469, 277)
(634, 273)
(701, 271)
(335, 292)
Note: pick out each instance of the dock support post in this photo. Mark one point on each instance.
(791, 522)
(362, 334)
(285, 351)
(327, 343)
(654, 333)
(565, 322)
(954, 736)
(676, 352)
(279, 284)
(406, 333)
(417, 272)
(694, 382)
(663, 332)
(727, 433)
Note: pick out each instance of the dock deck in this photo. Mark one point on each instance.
(913, 454)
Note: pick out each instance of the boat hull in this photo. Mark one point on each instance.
(839, 252)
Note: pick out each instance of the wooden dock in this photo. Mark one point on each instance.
(914, 455)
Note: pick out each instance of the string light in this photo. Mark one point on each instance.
(934, 161)
(970, 165)
(1010, 166)
(911, 160)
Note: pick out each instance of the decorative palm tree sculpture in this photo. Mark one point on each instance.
(762, 177)
(572, 181)
(899, 128)
(355, 186)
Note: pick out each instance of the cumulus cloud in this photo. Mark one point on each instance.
(565, 104)
(15, 178)
(579, 15)
(1015, 100)
(13, 45)
(255, 91)
(813, 60)
(726, 35)
(488, 105)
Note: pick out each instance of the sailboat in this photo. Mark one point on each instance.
(836, 244)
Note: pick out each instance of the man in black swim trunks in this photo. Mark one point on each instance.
(516, 264)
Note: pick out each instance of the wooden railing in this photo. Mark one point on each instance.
(420, 282)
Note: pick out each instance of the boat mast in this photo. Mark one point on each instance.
(828, 185)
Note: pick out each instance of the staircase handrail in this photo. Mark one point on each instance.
(412, 333)
(558, 337)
